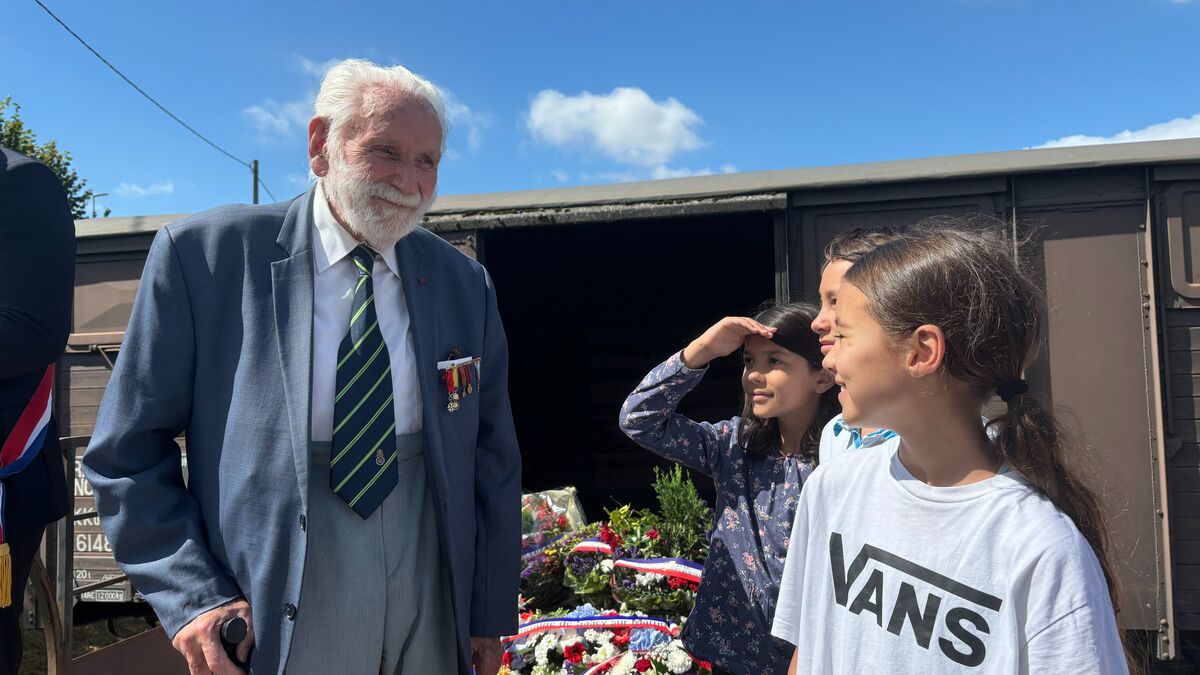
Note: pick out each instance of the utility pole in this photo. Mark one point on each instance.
(94, 195)
(254, 172)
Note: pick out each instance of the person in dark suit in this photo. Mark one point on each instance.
(37, 276)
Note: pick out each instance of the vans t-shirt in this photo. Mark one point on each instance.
(887, 574)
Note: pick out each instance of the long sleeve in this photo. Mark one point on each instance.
(497, 490)
(37, 268)
(648, 417)
(153, 522)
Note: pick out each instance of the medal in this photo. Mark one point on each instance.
(379, 457)
(452, 389)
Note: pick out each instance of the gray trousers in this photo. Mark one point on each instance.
(375, 597)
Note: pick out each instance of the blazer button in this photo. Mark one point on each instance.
(303, 522)
(289, 610)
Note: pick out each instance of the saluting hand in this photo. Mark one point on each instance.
(723, 338)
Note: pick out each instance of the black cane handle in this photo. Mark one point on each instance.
(233, 632)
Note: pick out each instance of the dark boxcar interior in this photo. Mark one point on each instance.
(590, 309)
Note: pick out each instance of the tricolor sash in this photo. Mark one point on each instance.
(600, 622)
(592, 545)
(22, 445)
(668, 567)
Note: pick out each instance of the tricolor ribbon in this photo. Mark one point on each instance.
(592, 545)
(610, 622)
(668, 567)
(22, 445)
(534, 550)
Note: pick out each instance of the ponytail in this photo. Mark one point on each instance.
(1032, 442)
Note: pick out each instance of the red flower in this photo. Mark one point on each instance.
(506, 660)
(573, 652)
(562, 522)
(642, 665)
(620, 637)
(609, 537)
(652, 534)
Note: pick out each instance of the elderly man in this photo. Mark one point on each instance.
(341, 376)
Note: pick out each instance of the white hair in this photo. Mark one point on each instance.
(355, 87)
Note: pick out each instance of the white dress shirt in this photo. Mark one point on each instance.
(333, 295)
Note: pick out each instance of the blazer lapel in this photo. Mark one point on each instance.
(420, 292)
(292, 291)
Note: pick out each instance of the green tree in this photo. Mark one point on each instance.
(14, 135)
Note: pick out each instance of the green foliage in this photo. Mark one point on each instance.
(14, 135)
(685, 518)
(627, 521)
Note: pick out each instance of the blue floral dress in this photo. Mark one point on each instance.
(756, 504)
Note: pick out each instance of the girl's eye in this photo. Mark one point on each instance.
(838, 336)
(746, 360)
(774, 362)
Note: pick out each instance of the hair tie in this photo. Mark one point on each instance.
(1011, 390)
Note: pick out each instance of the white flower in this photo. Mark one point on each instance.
(600, 637)
(673, 656)
(646, 579)
(544, 646)
(605, 652)
(624, 666)
(541, 669)
(606, 565)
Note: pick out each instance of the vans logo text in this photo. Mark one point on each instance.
(964, 623)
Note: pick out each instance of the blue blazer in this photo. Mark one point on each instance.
(219, 345)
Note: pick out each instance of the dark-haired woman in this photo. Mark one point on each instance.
(758, 461)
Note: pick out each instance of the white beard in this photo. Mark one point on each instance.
(351, 194)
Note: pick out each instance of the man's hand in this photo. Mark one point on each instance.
(485, 655)
(200, 640)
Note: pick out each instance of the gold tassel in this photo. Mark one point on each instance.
(5, 576)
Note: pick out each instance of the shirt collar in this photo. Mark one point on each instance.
(874, 438)
(336, 242)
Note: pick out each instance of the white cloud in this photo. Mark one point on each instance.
(276, 121)
(637, 174)
(1179, 127)
(560, 175)
(313, 68)
(166, 187)
(460, 116)
(625, 125)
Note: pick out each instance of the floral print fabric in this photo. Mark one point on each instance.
(755, 506)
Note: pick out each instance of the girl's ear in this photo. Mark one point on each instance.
(824, 381)
(927, 350)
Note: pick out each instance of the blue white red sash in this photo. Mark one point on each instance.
(592, 545)
(27, 437)
(601, 622)
(668, 567)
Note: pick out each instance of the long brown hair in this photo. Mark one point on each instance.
(960, 275)
(791, 322)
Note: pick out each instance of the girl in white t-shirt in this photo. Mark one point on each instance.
(946, 551)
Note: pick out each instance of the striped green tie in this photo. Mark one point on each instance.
(362, 468)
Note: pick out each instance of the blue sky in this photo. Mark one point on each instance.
(563, 93)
